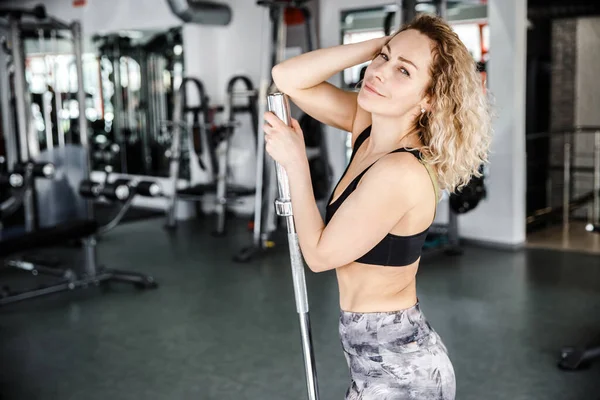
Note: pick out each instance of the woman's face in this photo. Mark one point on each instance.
(396, 79)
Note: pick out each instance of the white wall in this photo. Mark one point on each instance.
(109, 15)
(587, 89)
(500, 219)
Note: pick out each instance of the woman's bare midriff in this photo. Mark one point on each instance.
(372, 288)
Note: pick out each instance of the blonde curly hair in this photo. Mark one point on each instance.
(456, 131)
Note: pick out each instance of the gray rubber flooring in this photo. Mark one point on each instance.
(216, 329)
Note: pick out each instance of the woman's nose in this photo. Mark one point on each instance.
(379, 73)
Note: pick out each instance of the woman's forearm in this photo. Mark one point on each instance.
(310, 69)
(307, 218)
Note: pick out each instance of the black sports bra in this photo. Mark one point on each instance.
(393, 250)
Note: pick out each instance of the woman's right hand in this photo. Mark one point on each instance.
(309, 69)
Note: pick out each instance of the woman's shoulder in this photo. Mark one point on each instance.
(395, 172)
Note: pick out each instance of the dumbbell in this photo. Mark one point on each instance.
(89, 188)
(13, 180)
(148, 189)
(592, 228)
(38, 170)
(118, 190)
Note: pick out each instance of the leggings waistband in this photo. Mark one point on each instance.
(395, 331)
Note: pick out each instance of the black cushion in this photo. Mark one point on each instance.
(47, 237)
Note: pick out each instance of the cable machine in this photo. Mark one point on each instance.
(265, 222)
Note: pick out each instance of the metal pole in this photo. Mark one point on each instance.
(409, 10)
(279, 105)
(549, 190)
(223, 153)
(263, 88)
(399, 15)
(82, 120)
(175, 154)
(566, 184)
(453, 237)
(270, 222)
(57, 94)
(596, 214)
(143, 114)
(46, 95)
(20, 87)
(8, 126)
(442, 8)
(20, 91)
(117, 123)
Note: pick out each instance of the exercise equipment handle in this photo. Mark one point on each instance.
(38, 170)
(595, 228)
(38, 12)
(279, 105)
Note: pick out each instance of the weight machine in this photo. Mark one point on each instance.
(218, 140)
(19, 23)
(265, 222)
(51, 176)
(134, 141)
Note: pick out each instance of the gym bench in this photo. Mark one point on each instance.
(86, 231)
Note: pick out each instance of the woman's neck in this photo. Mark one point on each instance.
(389, 134)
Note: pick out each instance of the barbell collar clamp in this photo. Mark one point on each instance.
(283, 208)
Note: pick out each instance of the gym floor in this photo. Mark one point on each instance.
(216, 329)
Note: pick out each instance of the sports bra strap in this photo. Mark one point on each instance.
(367, 132)
(361, 138)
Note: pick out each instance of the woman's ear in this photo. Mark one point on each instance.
(425, 104)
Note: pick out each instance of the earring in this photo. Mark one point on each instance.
(422, 110)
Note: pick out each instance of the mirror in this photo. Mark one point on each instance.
(51, 75)
(136, 74)
(129, 78)
(468, 19)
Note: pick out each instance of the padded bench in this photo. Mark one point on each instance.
(47, 237)
(89, 275)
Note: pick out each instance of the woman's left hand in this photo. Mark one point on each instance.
(284, 143)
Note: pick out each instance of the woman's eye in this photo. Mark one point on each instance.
(404, 71)
(384, 56)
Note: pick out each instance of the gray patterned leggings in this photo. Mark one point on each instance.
(395, 355)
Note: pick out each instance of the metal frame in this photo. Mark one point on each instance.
(22, 115)
(92, 273)
(273, 48)
(12, 156)
(568, 168)
(225, 193)
(279, 105)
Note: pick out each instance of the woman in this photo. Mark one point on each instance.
(419, 124)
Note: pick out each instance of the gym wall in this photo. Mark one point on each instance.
(108, 15)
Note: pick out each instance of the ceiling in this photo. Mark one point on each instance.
(536, 8)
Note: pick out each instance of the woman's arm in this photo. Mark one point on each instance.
(303, 78)
(364, 218)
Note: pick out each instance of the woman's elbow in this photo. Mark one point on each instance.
(276, 74)
(318, 264)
